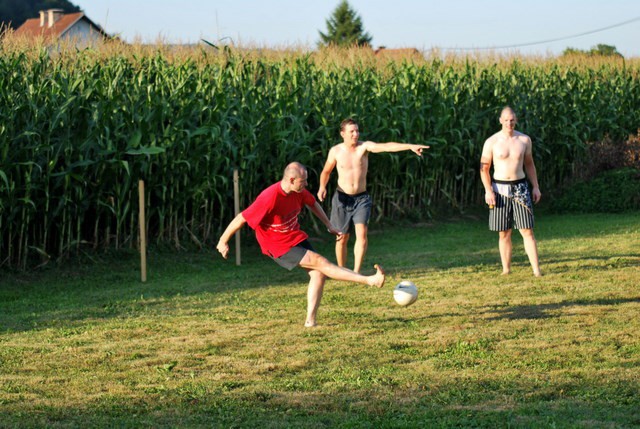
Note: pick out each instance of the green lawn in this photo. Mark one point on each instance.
(207, 344)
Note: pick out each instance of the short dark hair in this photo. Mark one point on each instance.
(348, 121)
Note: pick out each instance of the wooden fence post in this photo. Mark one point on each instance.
(143, 232)
(236, 209)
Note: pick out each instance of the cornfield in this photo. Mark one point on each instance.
(80, 128)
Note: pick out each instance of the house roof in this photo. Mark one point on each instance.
(32, 28)
(397, 53)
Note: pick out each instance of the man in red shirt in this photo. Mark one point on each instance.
(274, 217)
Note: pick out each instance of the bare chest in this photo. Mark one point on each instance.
(509, 149)
(352, 159)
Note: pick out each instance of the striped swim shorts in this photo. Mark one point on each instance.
(513, 206)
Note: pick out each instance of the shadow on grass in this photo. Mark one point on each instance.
(625, 260)
(110, 287)
(460, 403)
(545, 311)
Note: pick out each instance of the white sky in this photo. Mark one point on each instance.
(423, 24)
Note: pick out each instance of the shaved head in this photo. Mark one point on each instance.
(507, 109)
(295, 170)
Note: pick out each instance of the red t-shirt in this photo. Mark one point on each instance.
(274, 217)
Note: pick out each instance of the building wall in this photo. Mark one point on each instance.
(82, 34)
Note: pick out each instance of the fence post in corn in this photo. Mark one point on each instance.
(143, 235)
(236, 210)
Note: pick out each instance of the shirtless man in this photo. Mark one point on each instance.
(274, 217)
(507, 194)
(351, 203)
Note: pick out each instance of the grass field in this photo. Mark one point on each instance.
(207, 344)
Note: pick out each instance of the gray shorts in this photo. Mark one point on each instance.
(347, 210)
(513, 206)
(292, 258)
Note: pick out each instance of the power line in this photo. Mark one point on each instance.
(620, 24)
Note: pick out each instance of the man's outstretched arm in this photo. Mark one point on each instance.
(395, 147)
(233, 227)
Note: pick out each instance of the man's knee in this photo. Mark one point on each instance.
(505, 235)
(316, 276)
(313, 260)
(361, 231)
(527, 233)
(342, 239)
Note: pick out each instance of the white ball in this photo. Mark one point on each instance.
(405, 293)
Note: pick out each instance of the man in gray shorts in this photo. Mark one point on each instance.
(351, 204)
(507, 194)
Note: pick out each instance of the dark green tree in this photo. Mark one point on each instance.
(344, 28)
(13, 13)
(573, 51)
(600, 49)
(605, 50)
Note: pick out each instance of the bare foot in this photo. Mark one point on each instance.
(537, 274)
(505, 273)
(379, 277)
(309, 324)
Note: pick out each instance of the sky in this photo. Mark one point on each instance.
(462, 25)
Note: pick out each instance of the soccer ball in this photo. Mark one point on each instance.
(405, 293)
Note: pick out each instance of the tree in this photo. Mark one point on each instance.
(344, 28)
(14, 13)
(600, 49)
(605, 50)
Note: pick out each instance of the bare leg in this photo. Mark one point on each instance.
(314, 295)
(341, 250)
(315, 261)
(360, 247)
(505, 246)
(531, 247)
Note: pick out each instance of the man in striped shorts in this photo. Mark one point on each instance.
(507, 193)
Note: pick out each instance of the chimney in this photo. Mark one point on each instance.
(54, 15)
(43, 14)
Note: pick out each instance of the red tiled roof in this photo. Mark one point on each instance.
(397, 53)
(32, 28)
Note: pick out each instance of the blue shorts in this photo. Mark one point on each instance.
(347, 210)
